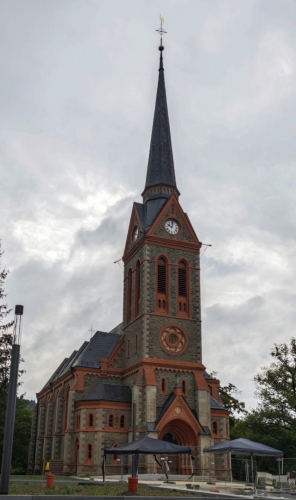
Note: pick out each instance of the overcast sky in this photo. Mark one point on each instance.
(78, 86)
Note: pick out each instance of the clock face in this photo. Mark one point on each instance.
(135, 233)
(171, 227)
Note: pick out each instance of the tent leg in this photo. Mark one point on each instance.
(230, 467)
(252, 467)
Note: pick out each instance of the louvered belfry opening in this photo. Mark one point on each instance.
(161, 301)
(182, 289)
(138, 289)
(129, 296)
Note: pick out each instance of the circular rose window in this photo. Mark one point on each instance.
(173, 339)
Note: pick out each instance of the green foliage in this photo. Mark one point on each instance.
(23, 414)
(21, 438)
(273, 422)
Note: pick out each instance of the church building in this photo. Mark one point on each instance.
(153, 358)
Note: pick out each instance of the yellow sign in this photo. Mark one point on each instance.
(47, 467)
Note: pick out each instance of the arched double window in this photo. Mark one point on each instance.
(183, 301)
(129, 296)
(162, 285)
(138, 289)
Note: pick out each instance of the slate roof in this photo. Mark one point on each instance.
(110, 392)
(161, 410)
(207, 376)
(100, 346)
(147, 213)
(161, 163)
(215, 405)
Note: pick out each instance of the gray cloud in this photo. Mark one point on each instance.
(78, 86)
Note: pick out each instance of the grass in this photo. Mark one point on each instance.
(106, 490)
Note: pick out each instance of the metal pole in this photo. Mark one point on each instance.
(134, 472)
(11, 402)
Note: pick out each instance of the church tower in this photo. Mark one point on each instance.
(161, 309)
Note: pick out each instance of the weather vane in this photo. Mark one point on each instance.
(161, 31)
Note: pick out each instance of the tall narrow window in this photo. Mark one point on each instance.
(129, 295)
(163, 385)
(91, 420)
(138, 289)
(122, 422)
(111, 420)
(184, 386)
(161, 300)
(215, 428)
(89, 451)
(182, 289)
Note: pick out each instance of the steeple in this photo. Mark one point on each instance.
(160, 179)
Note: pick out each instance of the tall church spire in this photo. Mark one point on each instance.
(160, 179)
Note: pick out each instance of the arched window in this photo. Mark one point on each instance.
(162, 287)
(66, 407)
(184, 386)
(90, 420)
(89, 451)
(78, 422)
(129, 295)
(163, 385)
(138, 289)
(111, 420)
(215, 428)
(122, 422)
(182, 289)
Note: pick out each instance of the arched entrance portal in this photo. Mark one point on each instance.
(179, 432)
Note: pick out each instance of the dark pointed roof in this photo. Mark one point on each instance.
(160, 171)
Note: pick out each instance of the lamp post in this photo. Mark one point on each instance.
(11, 401)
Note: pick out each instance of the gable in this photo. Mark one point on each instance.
(173, 215)
(135, 222)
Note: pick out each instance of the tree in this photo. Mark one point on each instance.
(23, 415)
(273, 421)
(21, 437)
(5, 351)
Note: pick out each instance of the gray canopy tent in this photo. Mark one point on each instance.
(145, 446)
(244, 446)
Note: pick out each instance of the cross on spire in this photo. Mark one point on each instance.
(91, 331)
(160, 30)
